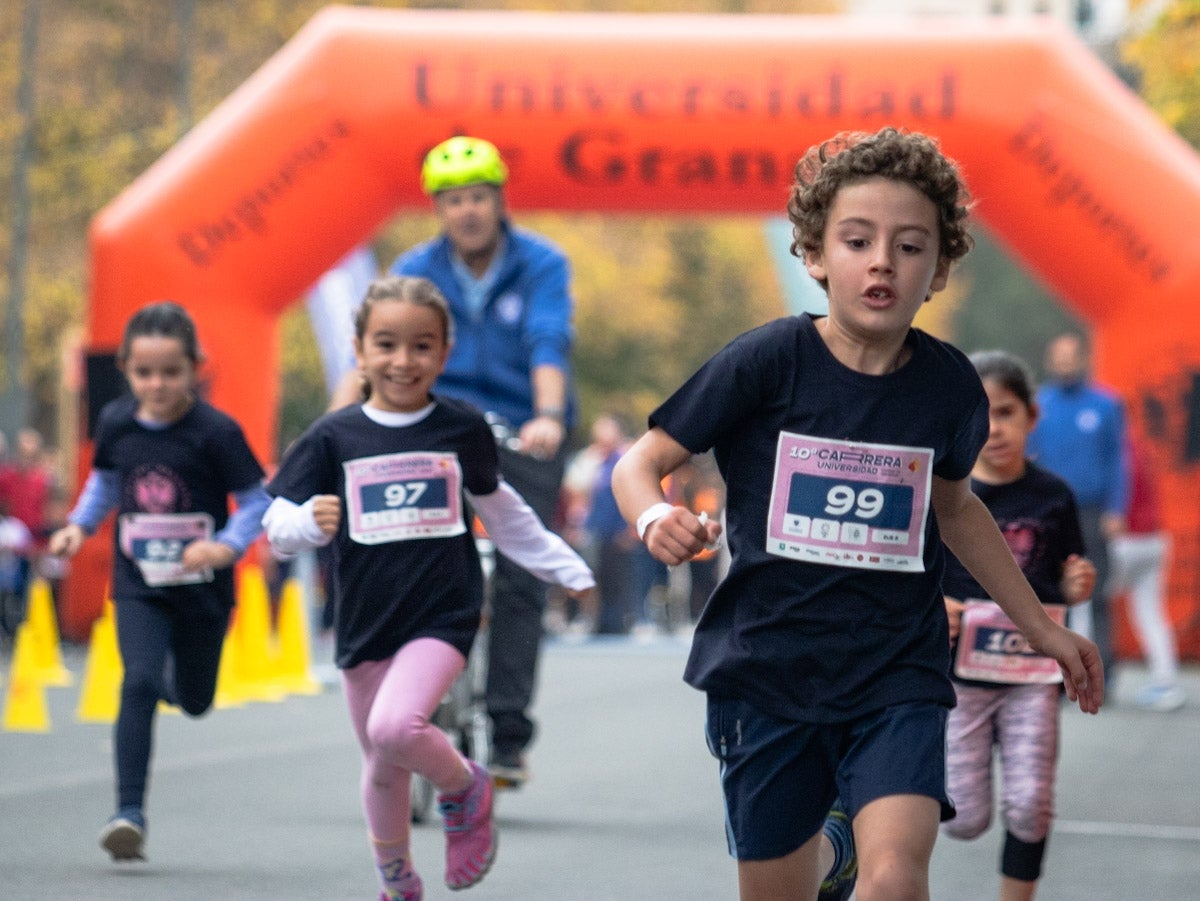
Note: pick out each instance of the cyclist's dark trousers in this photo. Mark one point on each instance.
(167, 654)
(518, 602)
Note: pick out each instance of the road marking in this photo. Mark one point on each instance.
(1129, 830)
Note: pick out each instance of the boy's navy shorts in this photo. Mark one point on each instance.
(780, 777)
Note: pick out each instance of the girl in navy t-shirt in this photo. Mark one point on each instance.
(168, 463)
(1007, 697)
(385, 483)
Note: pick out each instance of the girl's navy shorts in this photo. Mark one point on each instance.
(780, 777)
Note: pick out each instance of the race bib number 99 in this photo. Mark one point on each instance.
(400, 497)
(849, 504)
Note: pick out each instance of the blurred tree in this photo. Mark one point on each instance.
(1003, 308)
(1167, 58)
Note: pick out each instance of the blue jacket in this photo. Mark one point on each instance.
(1080, 438)
(525, 323)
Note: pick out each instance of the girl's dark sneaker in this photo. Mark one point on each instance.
(124, 835)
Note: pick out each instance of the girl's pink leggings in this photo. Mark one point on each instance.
(391, 703)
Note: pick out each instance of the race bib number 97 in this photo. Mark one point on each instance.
(400, 497)
(849, 504)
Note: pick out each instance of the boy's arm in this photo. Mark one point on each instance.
(970, 532)
(673, 535)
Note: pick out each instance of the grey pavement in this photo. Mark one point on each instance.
(261, 801)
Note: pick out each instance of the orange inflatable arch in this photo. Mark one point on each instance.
(659, 113)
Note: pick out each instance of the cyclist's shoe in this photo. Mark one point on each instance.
(470, 836)
(508, 769)
(839, 884)
(124, 835)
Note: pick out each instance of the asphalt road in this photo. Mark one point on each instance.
(261, 801)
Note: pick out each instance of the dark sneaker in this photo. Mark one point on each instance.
(508, 769)
(470, 837)
(838, 886)
(124, 835)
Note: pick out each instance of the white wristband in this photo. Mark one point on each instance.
(651, 513)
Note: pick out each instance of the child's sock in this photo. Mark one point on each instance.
(394, 862)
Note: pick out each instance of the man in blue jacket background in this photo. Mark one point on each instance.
(1080, 436)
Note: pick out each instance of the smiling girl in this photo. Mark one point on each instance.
(386, 482)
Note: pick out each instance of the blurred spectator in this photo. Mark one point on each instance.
(25, 485)
(1138, 562)
(51, 568)
(15, 542)
(697, 485)
(1080, 437)
(613, 543)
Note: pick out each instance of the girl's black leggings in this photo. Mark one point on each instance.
(168, 654)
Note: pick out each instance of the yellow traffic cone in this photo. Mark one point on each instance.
(44, 625)
(25, 707)
(256, 651)
(100, 695)
(293, 669)
(231, 690)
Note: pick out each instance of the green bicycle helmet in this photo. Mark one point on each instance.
(462, 161)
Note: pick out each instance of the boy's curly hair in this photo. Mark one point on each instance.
(853, 156)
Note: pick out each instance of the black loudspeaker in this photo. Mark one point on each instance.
(1191, 434)
(104, 383)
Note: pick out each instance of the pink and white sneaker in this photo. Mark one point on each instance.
(470, 837)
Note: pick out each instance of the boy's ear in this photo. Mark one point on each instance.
(941, 275)
(815, 264)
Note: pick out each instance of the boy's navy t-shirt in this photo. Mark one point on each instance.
(832, 606)
(420, 575)
(189, 467)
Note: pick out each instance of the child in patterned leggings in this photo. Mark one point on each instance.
(1007, 697)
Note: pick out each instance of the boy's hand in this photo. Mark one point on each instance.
(327, 512)
(1078, 579)
(680, 535)
(67, 541)
(954, 611)
(1079, 660)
